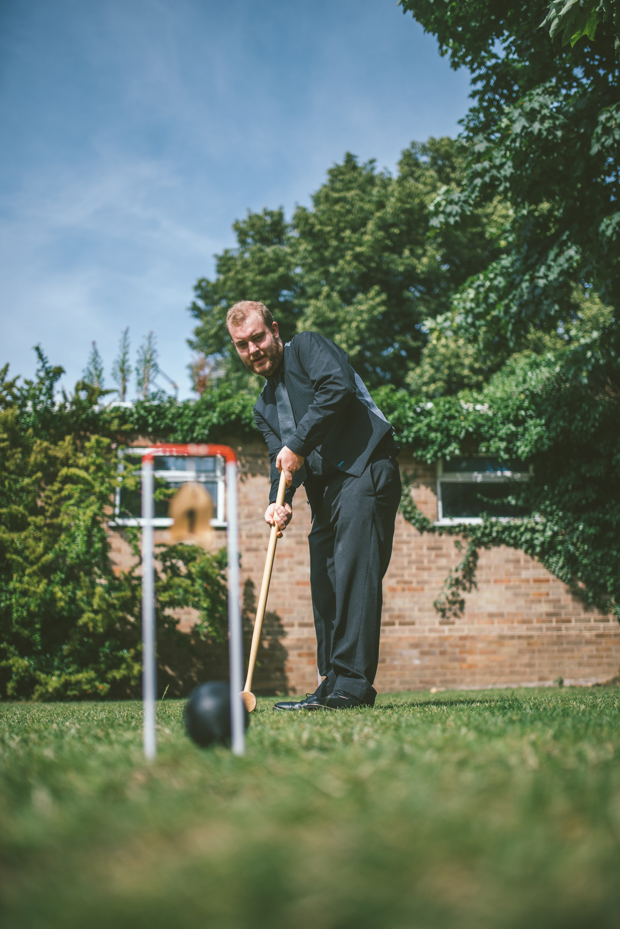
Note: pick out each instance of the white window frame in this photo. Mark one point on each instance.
(175, 477)
(473, 477)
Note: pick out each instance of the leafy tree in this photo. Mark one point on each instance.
(93, 372)
(362, 265)
(542, 136)
(121, 369)
(525, 363)
(147, 367)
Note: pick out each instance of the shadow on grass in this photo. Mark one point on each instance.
(270, 672)
(186, 660)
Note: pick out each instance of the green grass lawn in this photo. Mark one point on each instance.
(454, 810)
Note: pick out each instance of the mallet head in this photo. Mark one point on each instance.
(249, 700)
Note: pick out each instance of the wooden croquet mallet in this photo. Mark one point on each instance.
(248, 697)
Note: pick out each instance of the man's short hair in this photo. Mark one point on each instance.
(240, 312)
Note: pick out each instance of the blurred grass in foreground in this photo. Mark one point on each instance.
(463, 809)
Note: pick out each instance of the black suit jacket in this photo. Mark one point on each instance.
(334, 413)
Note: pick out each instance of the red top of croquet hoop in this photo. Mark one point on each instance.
(225, 451)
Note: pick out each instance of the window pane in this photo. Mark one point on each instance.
(131, 501)
(211, 488)
(468, 500)
(165, 463)
(204, 464)
(177, 462)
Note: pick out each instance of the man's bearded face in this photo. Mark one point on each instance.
(259, 347)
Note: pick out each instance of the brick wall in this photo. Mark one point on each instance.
(521, 626)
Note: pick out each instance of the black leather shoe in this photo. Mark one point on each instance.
(338, 700)
(294, 704)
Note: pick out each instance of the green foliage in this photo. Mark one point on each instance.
(525, 363)
(542, 136)
(69, 623)
(93, 372)
(494, 809)
(189, 577)
(557, 408)
(219, 413)
(578, 19)
(362, 265)
(121, 369)
(147, 367)
(67, 620)
(450, 361)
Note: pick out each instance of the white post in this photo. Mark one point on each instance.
(148, 612)
(235, 635)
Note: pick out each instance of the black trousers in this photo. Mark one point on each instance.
(350, 549)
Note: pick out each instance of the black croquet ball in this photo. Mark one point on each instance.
(207, 714)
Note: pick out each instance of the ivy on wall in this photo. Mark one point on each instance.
(558, 411)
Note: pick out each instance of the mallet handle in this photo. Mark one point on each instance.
(264, 590)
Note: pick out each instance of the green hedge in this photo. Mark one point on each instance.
(70, 624)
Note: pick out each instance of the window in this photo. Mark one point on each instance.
(467, 488)
(170, 472)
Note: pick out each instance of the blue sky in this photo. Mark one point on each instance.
(134, 133)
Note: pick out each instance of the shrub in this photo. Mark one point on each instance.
(70, 624)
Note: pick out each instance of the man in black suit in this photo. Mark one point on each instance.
(324, 430)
